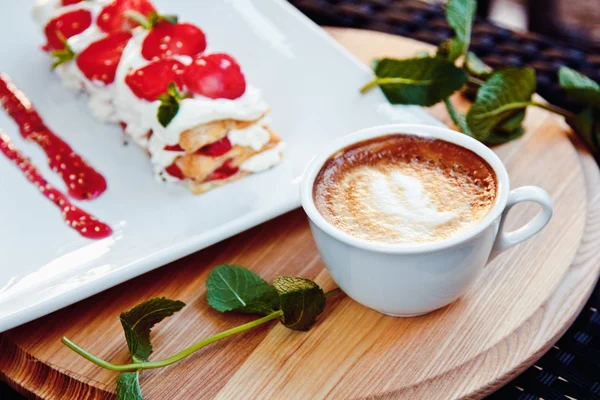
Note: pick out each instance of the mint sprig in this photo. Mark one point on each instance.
(234, 288)
(296, 302)
(138, 322)
(169, 105)
(64, 55)
(128, 386)
(459, 14)
(301, 300)
(476, 67)
(423, 80)
(501, 97)
(151, 20)
(579, 87)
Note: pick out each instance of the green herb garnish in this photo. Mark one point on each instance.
(296, 302)
(169, 105)
(150, 21)
(501, 97)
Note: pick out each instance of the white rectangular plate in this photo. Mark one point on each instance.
(310, 82)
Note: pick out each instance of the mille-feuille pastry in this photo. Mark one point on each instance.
(189, 108)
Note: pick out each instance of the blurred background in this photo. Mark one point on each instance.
(574, 21)
(541, 34)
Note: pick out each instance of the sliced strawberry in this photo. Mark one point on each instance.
(99, 60)
(216, 149)
(112, 18)
(166, 39)
(217, 76)
(152, 80)
(69, 2)
(174, 147)
(223, 172)
(64, 26)
(174, 171)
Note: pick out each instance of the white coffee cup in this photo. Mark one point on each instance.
(410, 280)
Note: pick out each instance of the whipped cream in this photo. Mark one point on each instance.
(254, 136)
(46, 10)
(161, 158)
(265, 160)
(135, 112)
(199, 110)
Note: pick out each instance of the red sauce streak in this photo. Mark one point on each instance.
(83, 182)
(75, 217)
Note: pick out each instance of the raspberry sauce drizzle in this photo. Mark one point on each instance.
(75, 217)
(82, 181)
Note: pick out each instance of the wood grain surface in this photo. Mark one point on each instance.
(519, 307)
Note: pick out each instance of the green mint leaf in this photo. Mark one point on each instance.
(421, 54)
(138, 322)
(132, 338)
(301, 301)
(476, 67)
(235, 288)
(154, 17)
(460, 15)
(509, 130)
(64, 55)
(128, 386)
(139, 18)
(374, 64)
(587, 126)
(420, 81)
(504, 96)
(579, 87)
(172, 19)
(459, 119)
(172, 90)
(169, 105)
(444, 49)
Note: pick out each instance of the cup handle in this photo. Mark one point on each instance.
(505, 240)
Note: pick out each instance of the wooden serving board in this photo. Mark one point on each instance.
(520, 306)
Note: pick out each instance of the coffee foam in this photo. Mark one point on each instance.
(404, 189)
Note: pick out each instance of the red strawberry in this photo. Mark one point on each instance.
(217, 148)
(167, 39)
(69, 2)
(152, 80)
(64, 26)
(174, 171)
(111, 18)
(223, 172)
(174, 147)
(99, 60)
(217, 76)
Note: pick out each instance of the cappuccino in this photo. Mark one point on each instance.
(404, 189)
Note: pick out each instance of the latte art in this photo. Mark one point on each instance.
(404, 189)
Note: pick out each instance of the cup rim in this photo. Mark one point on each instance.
(428, 131)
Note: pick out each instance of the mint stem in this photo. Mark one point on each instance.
(333, 292)
(554, 109)
(174, 358)
(476, 81)
(389, 81)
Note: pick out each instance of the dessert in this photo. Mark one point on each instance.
(189, 107)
